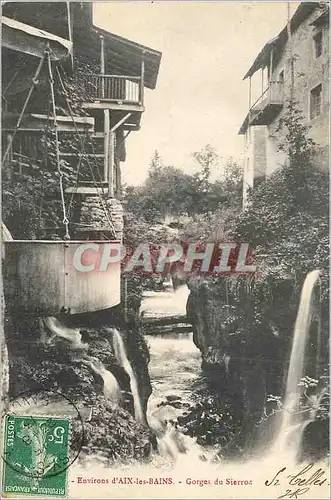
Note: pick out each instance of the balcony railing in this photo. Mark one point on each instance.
(268, 104)
(116, 88)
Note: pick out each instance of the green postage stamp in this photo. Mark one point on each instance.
(35, 455)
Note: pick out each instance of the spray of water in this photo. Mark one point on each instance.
(121, 356)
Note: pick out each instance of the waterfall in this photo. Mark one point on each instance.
(291, 427)
(122, 358)
(111, 389)
(60, 330)
(165, 303)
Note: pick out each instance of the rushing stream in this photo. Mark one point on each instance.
(175, 375)
(174, 371)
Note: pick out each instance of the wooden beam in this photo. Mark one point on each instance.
(115, 106)
(98, 135)
(82, 155)
(35, 122)
(84, 190)
(167, 329)
(106, 130)
(118, 180)
(111, 164)
(142, 81)
(250, 93)
(164, 320)
(271, 63)
(27, 39)
(102, 64)
(70, 32)
(120, 122)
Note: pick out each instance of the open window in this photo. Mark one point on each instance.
(318, 47)
(315, 101)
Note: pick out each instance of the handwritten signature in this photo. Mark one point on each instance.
(299, 483)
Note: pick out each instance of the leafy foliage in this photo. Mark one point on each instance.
(211, 421)
(172, 205)
(31, 188)
(170, 192)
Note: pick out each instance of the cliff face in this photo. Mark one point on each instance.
(243, 347)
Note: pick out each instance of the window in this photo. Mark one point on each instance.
(318, 44)
(315, 101)
(281, 76)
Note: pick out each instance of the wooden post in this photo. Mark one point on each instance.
(142, 80)
(10, 155)
(125, 298)
(271, 64)
(4, 360)
(102, 65)
(4, 379)
(70, 29)
(111, 157)
(249, 100)
(118, 181)
(262, 82)
(250, 94)
(106, 129)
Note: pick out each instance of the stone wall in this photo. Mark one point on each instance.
(102, 214)
(309, 72)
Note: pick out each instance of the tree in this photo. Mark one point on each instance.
(207, 159)
(156, 164)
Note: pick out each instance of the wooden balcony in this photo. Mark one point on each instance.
(268, 105)
(117, 92)
(37, 123)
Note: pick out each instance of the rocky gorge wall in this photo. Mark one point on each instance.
(245, 341)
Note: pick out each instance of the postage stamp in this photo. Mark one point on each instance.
(35, 455)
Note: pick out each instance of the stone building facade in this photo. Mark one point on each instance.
(254, 157)
(294, 66)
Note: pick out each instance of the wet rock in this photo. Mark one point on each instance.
(315, 441)
(176, 404)
(173, 397)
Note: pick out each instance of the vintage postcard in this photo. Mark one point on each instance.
(165, 250)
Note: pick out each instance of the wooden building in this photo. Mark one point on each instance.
(56, 43)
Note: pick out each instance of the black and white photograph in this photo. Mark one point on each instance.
(164, 327)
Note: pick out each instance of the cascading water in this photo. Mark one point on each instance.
(73, 335)
(111, 389)
(122, 358)
(291, 427)
(165, 303)
(174, 366)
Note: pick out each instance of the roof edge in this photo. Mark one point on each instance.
(301, 13)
